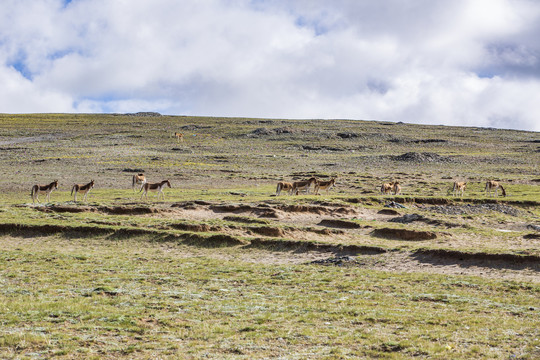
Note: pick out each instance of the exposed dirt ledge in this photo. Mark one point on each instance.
(48, 229)
(112, 210)
(525, 260)
(442, 200)
(292, 245)
(435, 256)
(340, 224)
(404, 234)
(208, 241)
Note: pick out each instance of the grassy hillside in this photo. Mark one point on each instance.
(223, 268)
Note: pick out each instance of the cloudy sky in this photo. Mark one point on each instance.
(453, 62)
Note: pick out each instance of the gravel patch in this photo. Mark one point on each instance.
(474, 209)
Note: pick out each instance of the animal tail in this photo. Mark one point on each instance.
(503, 191)
(73, 188)
(32, 191)
(278, 188)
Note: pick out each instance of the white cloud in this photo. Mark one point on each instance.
(463, 62)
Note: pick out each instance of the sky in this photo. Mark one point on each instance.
(440, 62)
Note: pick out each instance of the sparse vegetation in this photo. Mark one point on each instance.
(224, 269)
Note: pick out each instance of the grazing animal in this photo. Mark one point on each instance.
(138, 179)
(43, 189)
(459, 187)
(155, 187)
(396, 188)
(386, 188)
(303, 185)
(179, 137)
(83, 189)
(492, 185)
(325, 185)
(282, 185)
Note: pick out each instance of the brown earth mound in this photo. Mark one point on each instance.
(261, 210)
(196, 227)
(245, 220)
(531, 261)
(224, 240)
(319, 210)
(341, 224)
(66, 209)
(267, 231)
(404, 234)
(113, 210)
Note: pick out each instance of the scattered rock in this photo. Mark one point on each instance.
(347, 135)
(533, 227)
(192, 127)
(237, 193)
(428, 141)
(321, 148)
(336, 261)
(105, 290)
(268, 132)
(421, 157)
(183, 151)
(475, 209)
(394, 204)
(388, 212)
(408, 218)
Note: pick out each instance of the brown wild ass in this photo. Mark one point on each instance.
(459, 187)
(138, 179)
(283, 185)
(83, 189)
(303, 185)
(495, 186)
(396, 188)
(179, 137)
(155, 187)
(43, 189)
(387, 187)
(325, 185)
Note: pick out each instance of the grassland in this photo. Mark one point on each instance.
(224, 269)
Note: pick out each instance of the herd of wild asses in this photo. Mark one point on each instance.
(394, 187)
(292, 188)
(138, 179)
(492, 187)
